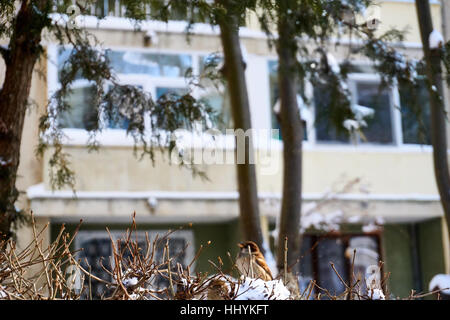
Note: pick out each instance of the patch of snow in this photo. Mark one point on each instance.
(435, 40)
(305, 113)
(441, 282)
(153, 36)
(362, 112)
(354, 219)
(351, 124)
(376, 294)
(244, 53)
(371, 227)
(4, 162)
(332, 63)
(2, 292)
(134, 296)
(257, 289)
(379, 220)
(329, 221)
(130, 282)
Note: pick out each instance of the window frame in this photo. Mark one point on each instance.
(397, 144)
(118, 137)
(395, 113)
(115, 235)
(310, 128)
(345, 237)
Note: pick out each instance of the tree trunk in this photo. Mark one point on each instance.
(20, 58)
(234, 71)
(292, 135)
(437, 108)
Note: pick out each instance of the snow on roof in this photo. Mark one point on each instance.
(257, 289)
(436, 40)
(440, 282)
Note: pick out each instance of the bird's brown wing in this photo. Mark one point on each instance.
(259, 258)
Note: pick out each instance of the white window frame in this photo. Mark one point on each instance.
(353, 79)
(188, 235)
(118, 137)
(310, 128)
(396, 122)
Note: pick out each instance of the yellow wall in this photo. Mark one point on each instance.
(384, 172)
(403, 15)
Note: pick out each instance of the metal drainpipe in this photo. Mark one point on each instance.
(415, 257)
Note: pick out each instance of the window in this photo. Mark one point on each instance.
(325, 130)
(81, 115)
(388, 125)
(151, 64)
(275, 102)
(366, 92)
(117, 8)
(318, 251)
(415, 109)
(215, 94)
(119, 119)
(156, 73)
(379, 126)
(97, 251)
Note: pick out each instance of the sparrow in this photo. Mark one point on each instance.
(251, 263)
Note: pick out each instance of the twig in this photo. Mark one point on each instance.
(285, 260)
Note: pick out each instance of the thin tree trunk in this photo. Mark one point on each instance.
(292, 135)
(20, 58)
(437, 108)
(234, 70)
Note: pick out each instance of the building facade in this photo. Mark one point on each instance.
(387, 182)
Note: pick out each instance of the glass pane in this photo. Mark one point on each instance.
(331, 250)
(160, 91)
(379, 127)
(97, 247)
(177, 253)
(153, 64)
(325, 130)
(274, 97)
(306, 265)
(216, 98)
(415, 110)
(116, 120)
(82, 114)
(221, 105)
(63, 56)
(209, 61)
(96, 253)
